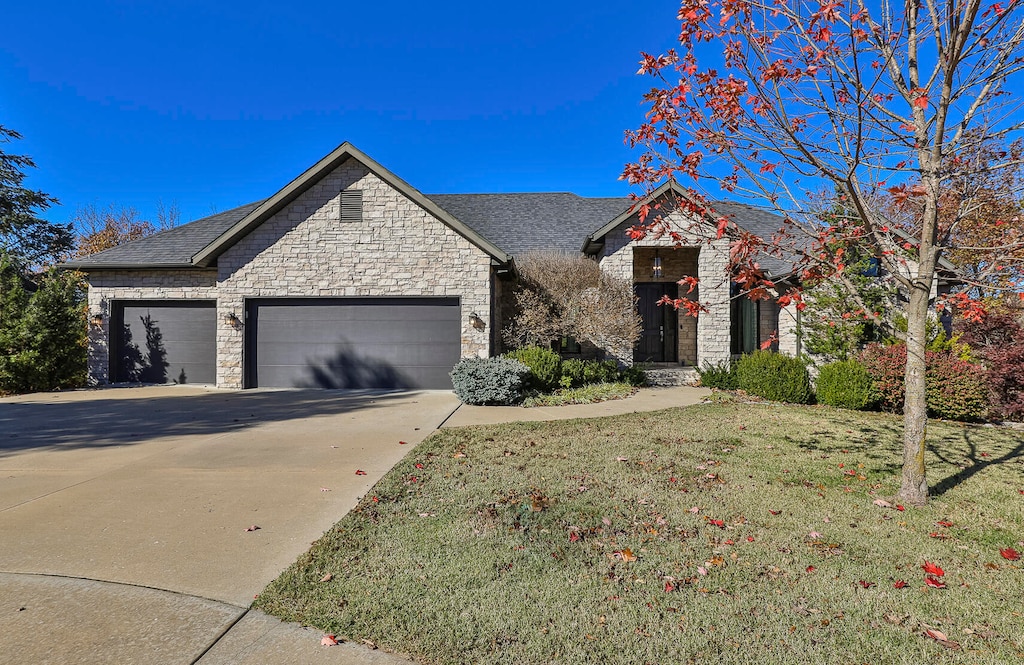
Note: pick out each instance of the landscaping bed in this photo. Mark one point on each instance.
(727, 533)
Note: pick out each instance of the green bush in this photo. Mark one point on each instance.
(634, 375)
(573, 373)
(545, 367)
(606, 371)
(495, 381)
(721, 376)
(846, 384)
(775, 376)
(42, 333)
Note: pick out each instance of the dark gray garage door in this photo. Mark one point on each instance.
(352, 342)
(164, 341)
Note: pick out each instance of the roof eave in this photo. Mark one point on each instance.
(206, 256)
(90, 267)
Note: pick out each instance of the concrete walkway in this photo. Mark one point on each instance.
(125, 512)
(645, 399)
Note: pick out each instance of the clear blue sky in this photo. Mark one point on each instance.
(214, 104)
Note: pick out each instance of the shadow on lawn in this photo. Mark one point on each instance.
(124, 416)
(973, 463)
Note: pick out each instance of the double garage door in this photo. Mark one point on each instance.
(295, 343)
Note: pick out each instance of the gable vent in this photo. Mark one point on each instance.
(352, 205)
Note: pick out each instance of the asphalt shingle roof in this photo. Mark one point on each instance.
(519, 223)
(516, 223)
(171, 247)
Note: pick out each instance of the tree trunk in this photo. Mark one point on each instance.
(914, 485)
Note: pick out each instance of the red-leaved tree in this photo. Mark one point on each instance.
(806, 107)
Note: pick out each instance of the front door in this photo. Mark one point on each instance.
(657, 342)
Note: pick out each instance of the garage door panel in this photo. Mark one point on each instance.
(353, 343)
(165, 342)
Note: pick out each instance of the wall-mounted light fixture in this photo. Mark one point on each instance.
(96, 320)
(656, 268)
(476, 321)
(232, 320)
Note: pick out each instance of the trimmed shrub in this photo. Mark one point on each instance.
(955, 388)
(572, 373)
(493, 381)
(886, 365)
(634, 375)
(775, 376)
(545, 367)
(845, 384)
(605, 371)
(721, 376)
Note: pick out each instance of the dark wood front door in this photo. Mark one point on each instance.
(658, 337)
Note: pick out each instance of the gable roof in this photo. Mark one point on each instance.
(199, 243)
(748, 217)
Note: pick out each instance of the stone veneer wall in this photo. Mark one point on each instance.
(399, 249)
(789, 339)
(107, 285)
(713, 333)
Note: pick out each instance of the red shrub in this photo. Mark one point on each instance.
(999, 340)
(955, 388)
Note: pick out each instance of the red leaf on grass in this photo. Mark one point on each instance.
(899, 584)
(933, 569)
(939, 536)
(329, 641)
(360, 472)
(1010, 554)
(719, 523)
(900, 508)
(934, 582)
(774, 512)
(750, 539)
(418, 465)
(866, 585)
(941, 638)
(574, 536)
(811, 569)
(944, 524)
(669, 587)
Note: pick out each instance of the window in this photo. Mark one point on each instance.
(567, 346)
(352, 205)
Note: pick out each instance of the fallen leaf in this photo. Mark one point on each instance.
(253, 528)
(418, 465)
(882, 503)
(933, 569)
(694, 510)
(991, 566)
(866, 585)
(811, 569)
(459, 455)
(702, 570)
(369, 643)
(621, 459)
(402, 443)
(669, 587)
(774, 512)
(329, 641)
(625, 554)
(941, 638)
(327, 578)
(814, 534)
(934, 582)
(750, 539)
(360, 472)
(606, 521)
(944, 524)
(939, 536)
(900, 508)
(574, 536)
(728, 542)
(1010, 554)
(719, 523)
(899, 584)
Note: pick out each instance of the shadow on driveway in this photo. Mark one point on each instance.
(122, 416)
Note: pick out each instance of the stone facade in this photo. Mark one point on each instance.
(304, 250)
(712, 337)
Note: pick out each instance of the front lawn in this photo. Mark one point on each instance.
(722, 533)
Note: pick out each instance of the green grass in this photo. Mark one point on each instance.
(501, 549)
(588, 394)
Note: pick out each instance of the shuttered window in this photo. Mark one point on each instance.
(352, 205)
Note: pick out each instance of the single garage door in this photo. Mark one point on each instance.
(164, 341)
(352, 342)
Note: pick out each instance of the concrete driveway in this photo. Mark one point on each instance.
(124, 515)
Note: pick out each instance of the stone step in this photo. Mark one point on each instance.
(672, 376)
